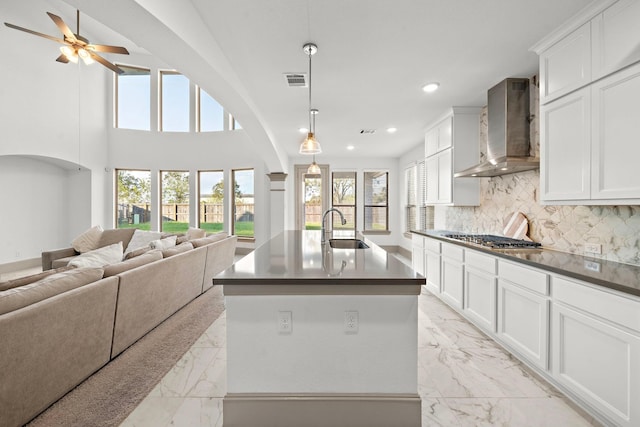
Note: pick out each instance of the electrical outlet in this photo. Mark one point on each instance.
(285, 322)
(592, 265)
(351, 322)
(593, 248)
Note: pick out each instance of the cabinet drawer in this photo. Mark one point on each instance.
(481, 262)
(432, 245)
(454, 252)
(525, 277)
(617, 309)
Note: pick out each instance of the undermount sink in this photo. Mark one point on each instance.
(347, 244)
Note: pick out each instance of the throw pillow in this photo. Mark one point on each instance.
(99, 257)
(165, 243)
(195, 233)
(136, 252)
(26, 280)
(88, 240)
(140, 239)
(109, 237)
(121, 267)
(184, 247)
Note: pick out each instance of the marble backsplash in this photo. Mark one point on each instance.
(563, 228)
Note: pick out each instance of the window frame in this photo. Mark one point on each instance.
(198, 96)
(233, 204)
(116, 194)
(386, 230)
(116, 96)
(355, 199)
(199, 196)
(162, 73)
(161, 199)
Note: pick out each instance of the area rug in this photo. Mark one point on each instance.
(111, 394)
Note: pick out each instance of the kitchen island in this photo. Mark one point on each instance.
(321, 336)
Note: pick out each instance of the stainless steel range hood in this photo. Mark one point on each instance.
(508, 145)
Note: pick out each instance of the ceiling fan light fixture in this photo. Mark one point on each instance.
(69, 53)
(86, 56)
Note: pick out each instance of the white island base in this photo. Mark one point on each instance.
(322, 372)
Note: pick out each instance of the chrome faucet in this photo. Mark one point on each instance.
(324, 215)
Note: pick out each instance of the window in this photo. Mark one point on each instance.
(343, 187)
(133, 199)
(376, 208)
(233, 123)
(312, 201)
(210, 113)
(133, 98)
(211, 196)
(175, 201)
(174, 102)
(410, 198)
(243, 203)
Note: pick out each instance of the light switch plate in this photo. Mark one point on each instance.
(285, 322)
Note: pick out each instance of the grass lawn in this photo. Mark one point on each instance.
(242, 229)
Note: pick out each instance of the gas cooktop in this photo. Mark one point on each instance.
(495, 242)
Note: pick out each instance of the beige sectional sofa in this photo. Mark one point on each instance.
(57, 331)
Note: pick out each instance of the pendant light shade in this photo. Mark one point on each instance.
(314, 169)
(310, 145)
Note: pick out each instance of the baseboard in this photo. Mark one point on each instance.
(10, 267)
(336, 410)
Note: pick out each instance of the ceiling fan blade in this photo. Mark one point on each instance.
(108, 49)
(62, 58)
(46, 36)
(62, 26)
(106, 63)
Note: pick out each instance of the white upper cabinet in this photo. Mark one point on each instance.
(616, 129)
(615, 38)
(566, 65)
(453, 144)
(565, 147)
(589, 127)
(438, 138)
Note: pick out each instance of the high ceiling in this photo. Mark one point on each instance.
(373, 58)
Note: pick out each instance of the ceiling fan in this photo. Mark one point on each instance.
(77, 46)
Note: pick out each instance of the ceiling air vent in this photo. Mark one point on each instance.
(367, 131)
(296, 79)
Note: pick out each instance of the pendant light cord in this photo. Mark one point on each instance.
(311, 129)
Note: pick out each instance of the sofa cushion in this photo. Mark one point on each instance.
(21, 281)
(166, 243)
(88, 240)
(109, 237)
(140, 239)
(183, 247)
(62, 262)
(99, 257)
(208, 240)
(195, 233)
(137, 252)
(117, 268)
(22, 296)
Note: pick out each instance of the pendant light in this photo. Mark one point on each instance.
(314, 169)
(310, 145)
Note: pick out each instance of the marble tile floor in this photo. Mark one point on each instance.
(464, 379)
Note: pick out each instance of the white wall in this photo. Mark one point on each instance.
(33, 207)
(55, 112)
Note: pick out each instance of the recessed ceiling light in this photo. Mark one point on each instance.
(431, 87)
(392, 130)
(303, 130)
(350, 147)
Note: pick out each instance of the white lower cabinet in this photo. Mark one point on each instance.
(523, 322)
(596, 353)
(432, 264)
(452, 275)
(480, 290)
(417, 253)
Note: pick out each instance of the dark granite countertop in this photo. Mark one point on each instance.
(609, 274)
(299, 258)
